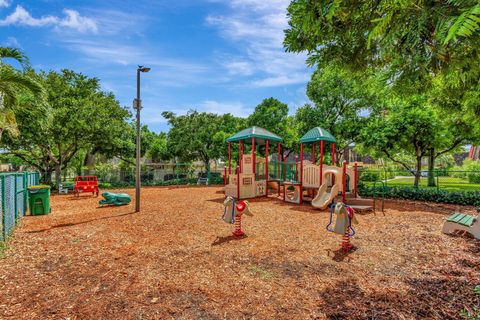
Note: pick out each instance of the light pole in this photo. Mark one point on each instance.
(137, 104)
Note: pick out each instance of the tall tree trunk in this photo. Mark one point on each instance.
(206, 162)
(431, 167)
(47, 176)
(58, 175)
(418, 172)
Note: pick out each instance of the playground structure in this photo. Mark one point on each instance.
(463, 222)
(233, 212)
(83, 184)
(323, 183)
(115, 199)
(251, 177)
(345, 217)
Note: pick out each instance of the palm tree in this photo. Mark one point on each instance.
(12, 83)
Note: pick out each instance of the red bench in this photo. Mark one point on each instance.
(85, 184)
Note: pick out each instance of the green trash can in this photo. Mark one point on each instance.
(39, 200)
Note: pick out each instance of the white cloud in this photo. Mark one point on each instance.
(12, 42)
(241, 68)
(5, 3)
(152, 115)
(257, 26)
(72, 20)
(75, 21)
(237, 109)
(281, 80)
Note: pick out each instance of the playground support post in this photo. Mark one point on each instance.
(238, 183)
(333, 162)
(266, 168)
(254, 163)
(301, 173)
(225, 177)
(284, 175)
(355, 181)
(333, 154)
(344, 182)
(229, 159)
(240, 155)
(279, 159)
(321, 162)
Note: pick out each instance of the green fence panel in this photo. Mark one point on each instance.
(14, 199)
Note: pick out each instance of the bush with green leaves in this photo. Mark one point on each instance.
(371, 174)
(470, 171)
(467, 198)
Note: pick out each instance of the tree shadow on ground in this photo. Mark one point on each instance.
(70, 224)
(84, 198)
(221, 240)
(440, 293)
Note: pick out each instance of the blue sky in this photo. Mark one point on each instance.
(221, 56)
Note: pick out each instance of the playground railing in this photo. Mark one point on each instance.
(14, 198)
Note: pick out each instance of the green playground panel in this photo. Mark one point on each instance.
(461, 218)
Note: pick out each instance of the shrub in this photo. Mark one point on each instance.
(470, 171)
(433, 195)
(371, 175)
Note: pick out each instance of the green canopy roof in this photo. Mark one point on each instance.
(258, 133)
(318, 134)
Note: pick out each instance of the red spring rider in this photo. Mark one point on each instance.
(343, 223)
(233, 212)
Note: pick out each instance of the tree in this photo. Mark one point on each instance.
(338, 101)
(411, 39)
(158, 149)
(409, 127)
(199, 135)
(12, 83)
(79, 117)
(272, 114)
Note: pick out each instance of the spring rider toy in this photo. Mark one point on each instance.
(115, 199)
(233, 212)
(343, 223)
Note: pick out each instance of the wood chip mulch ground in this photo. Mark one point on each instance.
(177, 260)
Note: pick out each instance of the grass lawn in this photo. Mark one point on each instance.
(446, 183)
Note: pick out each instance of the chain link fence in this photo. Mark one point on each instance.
(441, 179)
(14, 198)
(445, 186)
(178, 174)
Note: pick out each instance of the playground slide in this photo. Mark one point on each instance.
(324, 198)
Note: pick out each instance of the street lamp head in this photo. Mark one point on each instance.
(143, 69)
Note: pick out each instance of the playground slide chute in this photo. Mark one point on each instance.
(324, 198)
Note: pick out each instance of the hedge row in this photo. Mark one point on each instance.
(471, 198)
(174, 182)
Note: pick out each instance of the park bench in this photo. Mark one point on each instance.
(462, 222)
(202, 181)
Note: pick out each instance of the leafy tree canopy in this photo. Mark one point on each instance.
(410, 40)
(199, 135)
(338, 103)
(79, 116)
(272, 114)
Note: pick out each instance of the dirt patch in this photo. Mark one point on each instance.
(177, 259)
